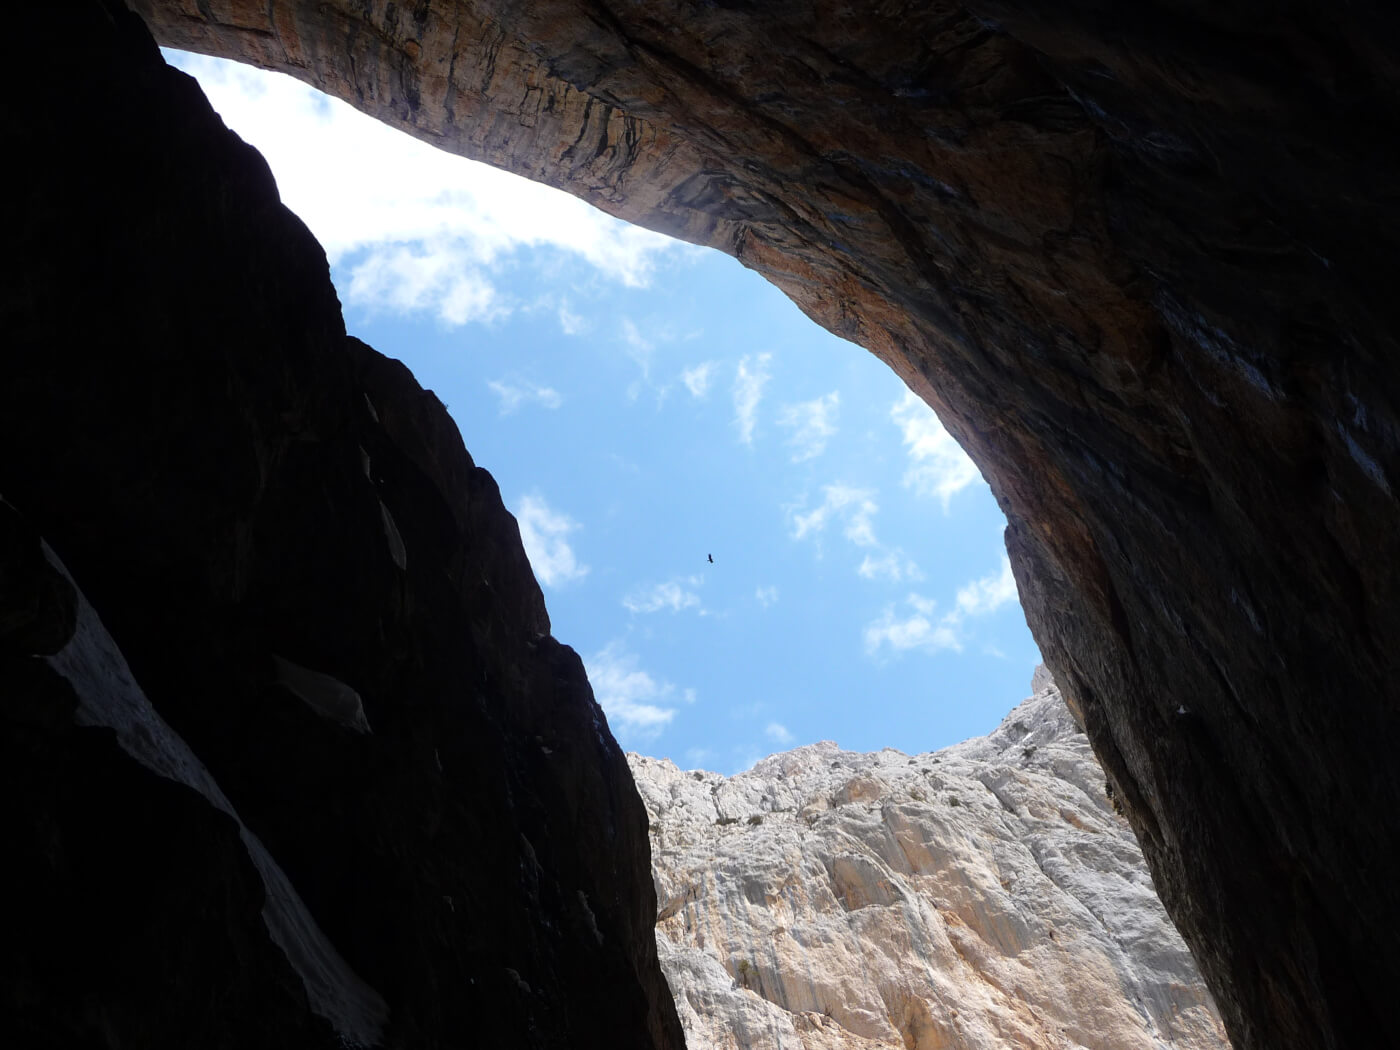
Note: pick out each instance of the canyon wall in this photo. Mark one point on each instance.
(288, 756)
(1139, 258)
(979, 897)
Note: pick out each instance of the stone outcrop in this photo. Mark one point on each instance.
(288, 756)
(1139, 257)
(982, 896)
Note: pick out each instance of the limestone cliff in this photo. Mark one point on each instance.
(1140, 258)
(979, 897)
(288, 756)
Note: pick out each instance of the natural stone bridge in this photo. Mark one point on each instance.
(1140, 260)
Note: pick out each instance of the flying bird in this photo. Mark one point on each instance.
(711, 557)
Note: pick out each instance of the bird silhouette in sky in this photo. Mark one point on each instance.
(711, 557)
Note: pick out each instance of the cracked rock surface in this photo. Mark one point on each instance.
(982, 896)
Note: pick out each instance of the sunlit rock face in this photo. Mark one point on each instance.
(1140, 258)
(978, 897)
(288, 756)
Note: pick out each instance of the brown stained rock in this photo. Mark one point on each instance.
(1139, 258)
(186, 424)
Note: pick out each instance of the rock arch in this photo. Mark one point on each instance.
(1139, 260)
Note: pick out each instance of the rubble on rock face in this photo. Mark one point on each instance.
(982, 896)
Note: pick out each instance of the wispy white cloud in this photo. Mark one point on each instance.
(430, 276)
(544, 533)
(644, 343)
(856, 507)
(374, 196)
(892, 566)
(915, 629)
(750, 378)
(938, 467)
(778, 733)
(860, 530)
(570, 323)
(674, 595)
(917, 626)
(513, 395)
(812, 423)
(638, 705)
(639, 347)
(745, 757)
(988, 594)
(697, 379)
(766, 595)
(752, 709)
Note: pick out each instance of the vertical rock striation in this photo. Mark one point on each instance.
(1139, 257)
(288, 756)
(978, 897)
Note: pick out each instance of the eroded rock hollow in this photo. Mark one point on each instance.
(1138, 257)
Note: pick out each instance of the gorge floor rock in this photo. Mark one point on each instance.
(979, 897)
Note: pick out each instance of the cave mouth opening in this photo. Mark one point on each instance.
(1202, 517)
(755, 536)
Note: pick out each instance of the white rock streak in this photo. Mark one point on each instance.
(981, 897)
(109, 696)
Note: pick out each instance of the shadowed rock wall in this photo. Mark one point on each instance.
(1139, 259)
(288, 757)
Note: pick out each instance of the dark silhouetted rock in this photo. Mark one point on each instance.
(289, 756)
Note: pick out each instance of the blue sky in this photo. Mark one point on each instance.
(645, 404)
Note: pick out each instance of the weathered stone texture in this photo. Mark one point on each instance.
(1139, 257)
(979, 897)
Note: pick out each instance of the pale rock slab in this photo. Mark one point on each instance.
(980, 897)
